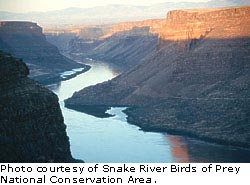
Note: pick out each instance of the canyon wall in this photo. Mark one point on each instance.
(31, 122)
(123, 45)
(155, 26)
(193, 24)
(125, 49)
(25, 40)
(196, 82)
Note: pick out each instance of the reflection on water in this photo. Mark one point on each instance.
(97, 74)
(178, 149)
(200, 151)
(114, 140)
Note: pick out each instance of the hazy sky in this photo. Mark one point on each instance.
(46, 5)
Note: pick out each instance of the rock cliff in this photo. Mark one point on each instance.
(155, 25)
(26, 40)
(197, 82)
(31, 122)
(193, 24)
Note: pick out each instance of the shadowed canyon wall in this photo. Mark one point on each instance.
(25, 40)
(31, 122)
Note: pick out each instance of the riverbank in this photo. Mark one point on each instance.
(218, 120)
(97, 111)
(59, 77)
(166, 118)
(140, 117)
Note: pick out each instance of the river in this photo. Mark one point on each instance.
(112, 139)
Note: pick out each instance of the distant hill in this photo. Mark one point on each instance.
(111, 13)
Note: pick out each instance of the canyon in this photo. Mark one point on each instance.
(187, 75)
(32, 128)
(195, 82)
(123, 45)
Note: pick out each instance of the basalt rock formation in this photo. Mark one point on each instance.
(26, 40)
(197, 83)
(31, 122)
(155, 25)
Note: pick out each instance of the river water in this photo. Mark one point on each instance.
(112, 139)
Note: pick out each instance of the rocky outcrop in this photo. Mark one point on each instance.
(31, 122)
(196, 83)
(26, 40)
(195, 25)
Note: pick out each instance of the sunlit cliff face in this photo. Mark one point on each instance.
(182, 25)
(155, 25)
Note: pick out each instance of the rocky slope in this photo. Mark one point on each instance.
(197, 83)
(155, 25)
(31, 122)
(26, 40)
(122, 45)
(125, 49)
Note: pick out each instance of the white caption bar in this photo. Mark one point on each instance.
(130, 173)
